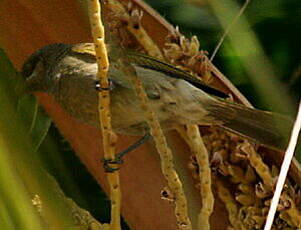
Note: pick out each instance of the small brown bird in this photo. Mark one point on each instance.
(68, 72)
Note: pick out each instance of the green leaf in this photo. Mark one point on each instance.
(27, 108)
(38, 123)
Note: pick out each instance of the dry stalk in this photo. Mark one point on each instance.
(198, 148)
(135, 28)
(109, 137)
(192, 135)
(164, 151)
(174, 183)
(230, 204)
(256, 162)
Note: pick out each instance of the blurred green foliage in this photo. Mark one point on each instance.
(23, 127)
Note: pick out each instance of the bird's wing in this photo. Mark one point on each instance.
(149, 62)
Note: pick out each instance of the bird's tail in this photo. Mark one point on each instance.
(266, 128)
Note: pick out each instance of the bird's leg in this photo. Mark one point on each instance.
(118, 157)
(99, 88)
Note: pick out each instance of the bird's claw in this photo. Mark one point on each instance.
(119, 157)
(108, 162)
(99, 88)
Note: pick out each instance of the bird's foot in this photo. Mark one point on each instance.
(99, 88)
(108, 162)
(118, 157)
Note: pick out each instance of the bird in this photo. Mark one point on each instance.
(68, 72)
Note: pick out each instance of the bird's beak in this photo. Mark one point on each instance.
(35, 82)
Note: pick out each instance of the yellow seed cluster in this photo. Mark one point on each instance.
(245, 183)
(251, 182)
(186, 54)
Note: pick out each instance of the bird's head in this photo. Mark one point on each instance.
(38, 68)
